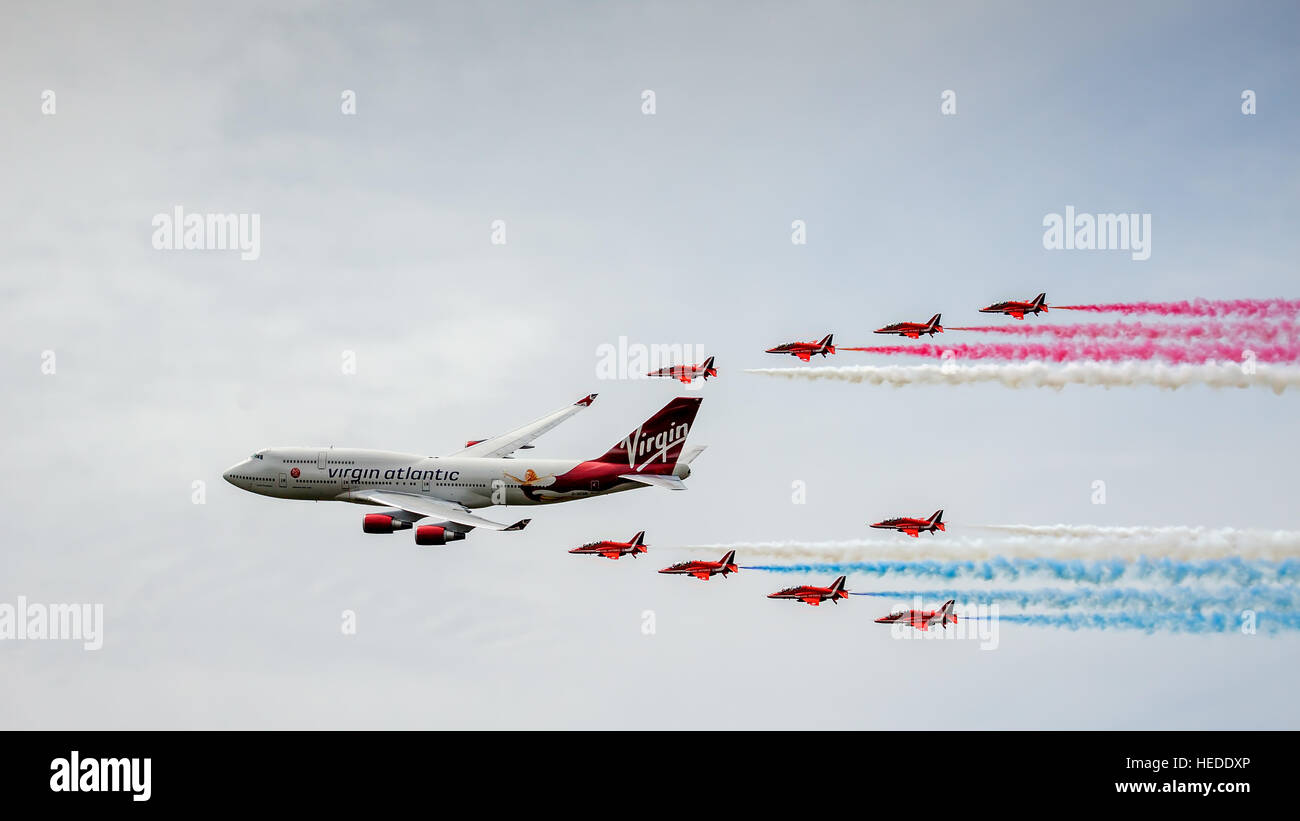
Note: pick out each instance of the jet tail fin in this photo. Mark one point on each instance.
(638, 539)
(947, 613)
(655, 446)
(837, 586)
(828, 343)
(1040, 302)
(728, 559)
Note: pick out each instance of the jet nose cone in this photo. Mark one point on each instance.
(231, 472)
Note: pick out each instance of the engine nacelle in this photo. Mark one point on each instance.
(436, 535)
(383, 523)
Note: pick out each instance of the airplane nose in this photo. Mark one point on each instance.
(229, 474)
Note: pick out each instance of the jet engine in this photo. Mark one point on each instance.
(436, 535)
(383, 523)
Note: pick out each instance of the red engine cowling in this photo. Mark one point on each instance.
(382, 523)
(435, 535)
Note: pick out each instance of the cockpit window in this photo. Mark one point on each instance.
(256, 456)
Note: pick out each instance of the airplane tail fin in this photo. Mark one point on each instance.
(837, 586)
(828, 343)
(937, 520)
(933, 324)
(639, 539)
(656, 444)
(728, 560)
(948, 615)
(1040, 302)
(708, 368)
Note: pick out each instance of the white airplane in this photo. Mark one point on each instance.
(447, 488)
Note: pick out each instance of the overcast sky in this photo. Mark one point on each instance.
(665, 228)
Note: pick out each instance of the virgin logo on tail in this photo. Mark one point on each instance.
(659, 438)
(637, 444)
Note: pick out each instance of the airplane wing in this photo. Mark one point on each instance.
(804, 355)
(508, 443)
(432, 506)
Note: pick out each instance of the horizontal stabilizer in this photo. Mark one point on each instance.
(689, 454)
(656, 480)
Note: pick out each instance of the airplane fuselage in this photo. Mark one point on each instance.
(335, 474)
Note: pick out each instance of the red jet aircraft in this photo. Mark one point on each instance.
(922, 619)
(613, 550)
(1018, 309)
(814, 595)
(703, 570)
(913, 330)
(687, 373)
(806, 350)
(913, 527)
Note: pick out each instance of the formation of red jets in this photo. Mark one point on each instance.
(915, 330)
(806, 593)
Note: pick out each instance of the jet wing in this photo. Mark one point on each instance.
(508, 443)
(432, 506)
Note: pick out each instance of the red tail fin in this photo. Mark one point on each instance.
(655, 446)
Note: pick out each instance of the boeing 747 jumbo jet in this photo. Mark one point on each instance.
(447, 488)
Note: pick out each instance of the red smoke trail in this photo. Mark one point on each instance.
(1096, 351)
(1196, 307)
(1239, 332)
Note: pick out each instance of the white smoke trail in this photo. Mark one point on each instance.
(1183, 544)
(1040, 375)
(1227, 536)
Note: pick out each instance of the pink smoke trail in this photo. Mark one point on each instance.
(1237, 333)
(1196, 307)
(1096, 351)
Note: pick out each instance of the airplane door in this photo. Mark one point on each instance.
(320, 460)
(426, 487)
(284, 480)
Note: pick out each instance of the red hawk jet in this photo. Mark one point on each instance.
(687, 373)
(806, 350)
(814, 595)
(1018, 309)
(913, 527)
(913, 330)
(704, 570)
(922, 619)
(613, 550)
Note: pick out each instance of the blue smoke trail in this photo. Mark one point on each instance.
(1093, 571)
(1174, 599)
(1266, 622)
